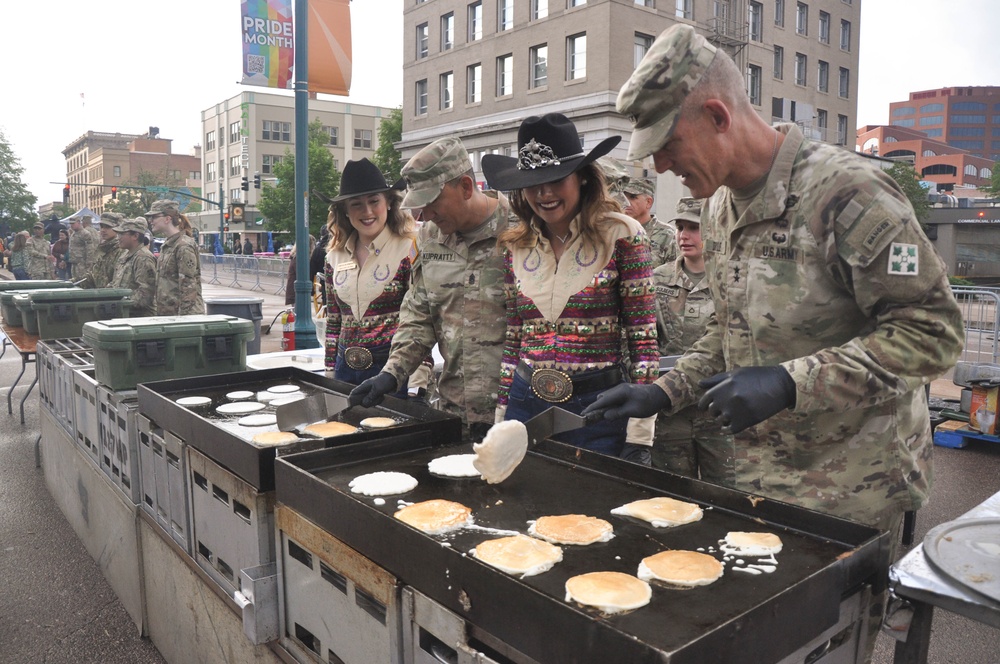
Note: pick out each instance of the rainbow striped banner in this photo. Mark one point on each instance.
(268, 43)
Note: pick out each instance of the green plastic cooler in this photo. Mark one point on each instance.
(11, 314)
(130, 351)
(60, 314)
(34, 284)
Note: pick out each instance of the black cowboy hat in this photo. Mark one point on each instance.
(548, 149)
(360, 178)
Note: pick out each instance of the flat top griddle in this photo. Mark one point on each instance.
(822, 557)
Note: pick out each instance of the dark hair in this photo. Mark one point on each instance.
(178, 220)
(399, 221)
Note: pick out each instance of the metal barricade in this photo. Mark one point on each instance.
(981, 316)
(210, 263)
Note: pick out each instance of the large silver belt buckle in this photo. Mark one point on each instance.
(358, 358)
(552, 385)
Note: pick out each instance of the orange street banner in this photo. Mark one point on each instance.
(330, 46)
(268, 43)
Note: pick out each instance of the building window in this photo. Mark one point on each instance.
(235, 195)
(234, 131)
(800, 69)
(420, 98)
(576, 57)
(538, 64)
(474, 83)
(906, 110)
(821, 121)
(756, 21)
(505, 75)
(753, 84)
(845, 83)
(423, 41)
(210, 140)
(641, 47)
(968, 119)
(268, 162)
(194, 175)
(539, 9)
(276, 131)
(447, 31)
(682, 8)
(577, 3)
(845, 35)
(210, 171)
(967, 145)
(903, 123)
(841, 130)
(970, 169)
(363, 139)
(235, 167)
(823, 84)
(931, 108)
(929, 153)
(779, 13)
(475, 21)
(779, 63)
(968, 106)
(116, 171)
(644, 3)
(824, 27)
(802, 18)
(447, 83)
(967, 131)
(931, 120)
(985, 173)
(505, 15)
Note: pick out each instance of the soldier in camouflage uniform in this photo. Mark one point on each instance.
(136, 268)
(81, 249)
(616, 175)
(640, 194)
(88, 227)
(832, 310)
(108, 252)
(456, 296)
(688, 442)
(38, 252)
(178, 268)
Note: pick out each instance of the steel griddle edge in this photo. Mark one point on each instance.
(739, 618)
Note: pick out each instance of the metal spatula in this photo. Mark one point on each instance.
(550, 422)
(498, 456)
(319, 407)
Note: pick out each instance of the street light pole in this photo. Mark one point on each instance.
(305, 331)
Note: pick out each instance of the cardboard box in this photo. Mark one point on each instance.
(983, 411)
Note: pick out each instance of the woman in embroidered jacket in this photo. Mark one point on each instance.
(367, 273)
(578, 282)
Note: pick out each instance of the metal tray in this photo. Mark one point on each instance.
(968, 551)
(226, 442)
(739, 618)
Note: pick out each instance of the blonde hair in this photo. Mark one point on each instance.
(399, 221)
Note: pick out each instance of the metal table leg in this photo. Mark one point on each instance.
(6, 342)
(27, 392)
(918, 637)
(10, 405)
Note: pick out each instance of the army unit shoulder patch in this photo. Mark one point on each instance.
(904, 259)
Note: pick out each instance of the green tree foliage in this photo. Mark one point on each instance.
(906, 177)
(277, 201)
(387, 157)
(994, 188)
(134, 202)
(17, 204)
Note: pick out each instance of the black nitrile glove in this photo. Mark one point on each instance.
(370, 392)
(639, 454)
(747, 396)
(628, 400)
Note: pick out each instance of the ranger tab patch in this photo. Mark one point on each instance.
(903, 259)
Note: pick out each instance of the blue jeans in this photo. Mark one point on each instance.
(605, 436)
(380, 355)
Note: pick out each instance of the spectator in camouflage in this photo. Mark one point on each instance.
(178, 267)
(81, 249)
(108, 253)
(640, 196)
(39, 254)
(136, 267)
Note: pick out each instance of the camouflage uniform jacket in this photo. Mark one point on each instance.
(828, 274)
(81, 252)
(37, 252)
(683, 308)
(136, 270)
(456, 299)
(662, 241)
(178, 278)
(103, 270)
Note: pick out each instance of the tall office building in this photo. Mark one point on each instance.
(476, 69)
(967, 118)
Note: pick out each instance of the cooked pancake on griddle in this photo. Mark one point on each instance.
(661, 511)
(501, 451)
(681, 568)
(383, 484)
(274, 438)
(518, 554)
(454, 465)
(572, 529)
(753, 544)
(378, 422)
(436, 516)
(610, 592)
(329, 429)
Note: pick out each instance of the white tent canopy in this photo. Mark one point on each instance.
(82, 212)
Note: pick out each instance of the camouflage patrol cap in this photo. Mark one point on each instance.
(652, 96)
(689, 209)
(637, 186)
(111, 219)
(38, 224)
(427, 171)
(161, 207)
(137, 225)
(616, 176)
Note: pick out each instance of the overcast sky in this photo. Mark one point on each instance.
(142, 63)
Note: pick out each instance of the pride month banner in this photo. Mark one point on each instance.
(268, 43)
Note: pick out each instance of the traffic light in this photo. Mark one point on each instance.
(245, 185)
(256, 180)
(114, 193)
(225, 215)
(66, 193)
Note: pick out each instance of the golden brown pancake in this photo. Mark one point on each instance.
(753, 544)
(274, 438)
(378, 422)
(681, 568)
(519, 554)
(435, 516)
(329, 429)
(661, 511)
(572, 529)
(611, 592)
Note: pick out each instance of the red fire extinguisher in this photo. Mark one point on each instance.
(288, 330)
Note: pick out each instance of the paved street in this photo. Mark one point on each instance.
(56, 607)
